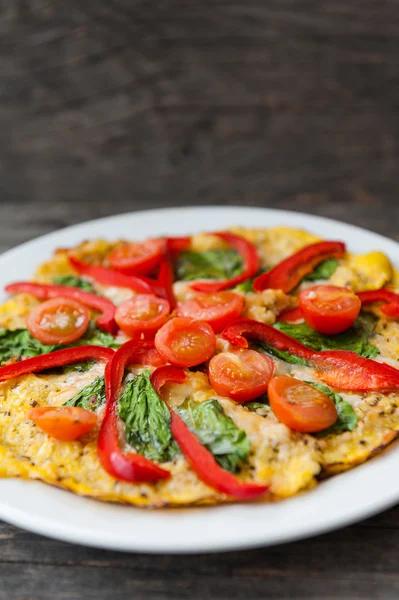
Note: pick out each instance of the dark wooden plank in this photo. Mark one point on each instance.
(65, 584)
(342, 564)
(121, 105)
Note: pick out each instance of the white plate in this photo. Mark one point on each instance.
(334, 503)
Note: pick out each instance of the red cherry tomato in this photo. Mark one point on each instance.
(217, 309)
(240, 374)
(142, 313)
(137, 258)
(58, 321)
(65, 423)
(329, 309)
(300, 406)
(185, 342)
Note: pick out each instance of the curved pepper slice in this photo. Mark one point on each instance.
(390, 300)
(290, 272)
(200, 459)
(141, 285)
(250, 259)
(247, 329)
(131, 467)
(349, 371)
(45, 291)
(59, 358)
(165, 280)
(338, 368)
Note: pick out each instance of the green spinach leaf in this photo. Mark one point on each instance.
(80, 367)
(211, 264)
(93, 336)
(20, 343)
(91, 396)
(147, 419)
(97, 337)
(281, 354)
(347, 418)
(73, 281)
(216, 431)
(324, 270)
(354, 339)
(248, 285)
(261, 408)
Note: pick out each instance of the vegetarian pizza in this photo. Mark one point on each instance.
(226, 366)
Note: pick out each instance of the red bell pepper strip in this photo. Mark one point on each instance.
(44, 291)
(130, 467)
(247, 329)
(250, 259)
(291, 316)
(349, 371)
(390, 300)
(139, 284)
(338, 368)
(165, 279)
(58, 358)
(199, 458)
(290, 272)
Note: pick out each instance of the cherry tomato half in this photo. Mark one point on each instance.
(137, 258)
(300, 406)
(58, 321)
(142, 313)
(329, 309)
(217, 309)
(65, 423)
(240, 374)
(185, 342)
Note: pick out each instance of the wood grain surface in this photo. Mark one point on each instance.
(120, 105)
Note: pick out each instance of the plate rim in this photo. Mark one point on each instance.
(64, 533)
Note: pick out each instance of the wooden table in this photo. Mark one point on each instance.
(118, 105)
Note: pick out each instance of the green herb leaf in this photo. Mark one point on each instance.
(248, 285)
(324, 270)
(216, 431)
(91, 396)
(93, 336)
(147, 419)
(261, 408)
(19, 343)
(347, 418)
(97, 337)
(80, 367)
(281, 354)
(73, 281)
(354, 339)
(211, 264)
